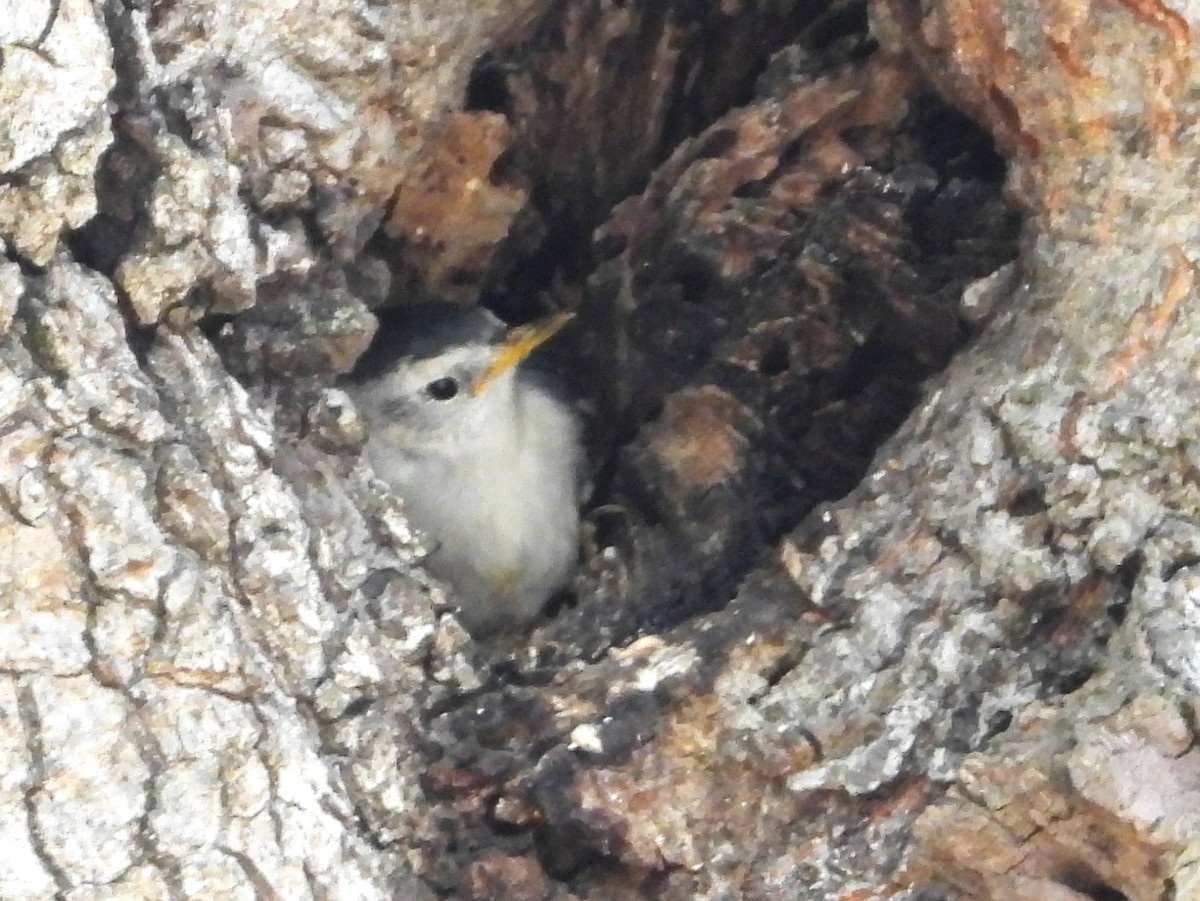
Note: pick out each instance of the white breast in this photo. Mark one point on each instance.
(501, 516)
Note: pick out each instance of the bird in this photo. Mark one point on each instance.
(484, 451)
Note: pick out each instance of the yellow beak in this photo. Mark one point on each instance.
(519, 343)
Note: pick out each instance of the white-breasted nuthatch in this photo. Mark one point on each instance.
(485, 455)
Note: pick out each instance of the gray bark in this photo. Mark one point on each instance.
(222, 672)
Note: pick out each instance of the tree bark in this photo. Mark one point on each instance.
(958, 664)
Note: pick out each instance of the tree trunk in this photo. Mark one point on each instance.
(798, 662)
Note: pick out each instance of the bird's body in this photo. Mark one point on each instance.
(488, 461)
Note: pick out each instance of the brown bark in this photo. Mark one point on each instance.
(799, 664)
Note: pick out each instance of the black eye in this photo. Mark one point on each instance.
(442, 389)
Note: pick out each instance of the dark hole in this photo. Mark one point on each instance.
(1127, 575)
(1129, 571)
(839, 21)
(1089, 884)
(1118, 610)
(101, 242)
(716, 143)
(611, 527)
(775, 359)
(502, 828)
(505, 169)
(999, 722)
(487, 87)
(377, 582)
(357, 706)
(559, 603)
(694, 282)
(1028, 502)
(1185, 561)
(1072, 680)
(752, 190)
(564, 852)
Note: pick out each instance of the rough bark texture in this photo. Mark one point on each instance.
(969, 671)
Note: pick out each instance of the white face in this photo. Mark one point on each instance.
(429, 406)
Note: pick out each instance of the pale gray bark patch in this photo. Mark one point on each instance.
(162, 670)
(222, 674)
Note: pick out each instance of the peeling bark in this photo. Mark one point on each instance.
(798, 663)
